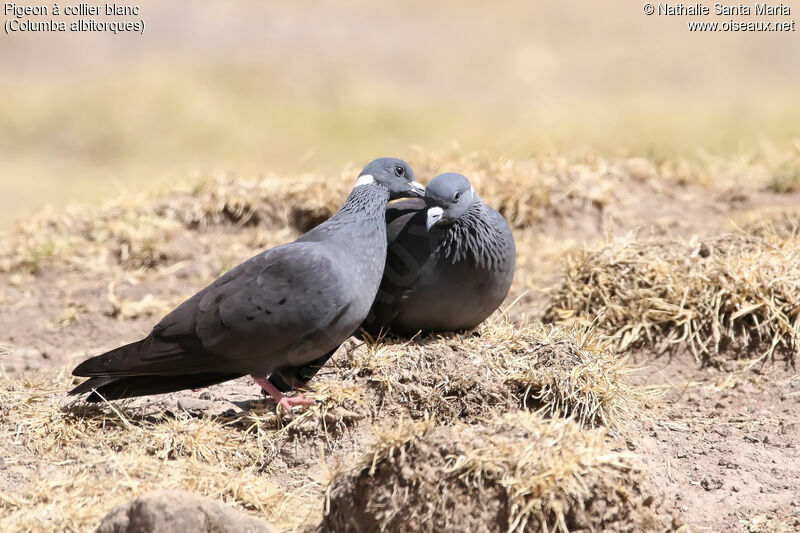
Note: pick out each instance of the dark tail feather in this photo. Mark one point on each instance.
(153, 365)
(109, 361)
(115, 388)
(149, 356)
(90, 384)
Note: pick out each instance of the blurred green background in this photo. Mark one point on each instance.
(245, 86)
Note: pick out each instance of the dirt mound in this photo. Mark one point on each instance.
(566, 371)
(734, 294)
(584, 196)
(301, 202)
(514, 474)
(141, 232)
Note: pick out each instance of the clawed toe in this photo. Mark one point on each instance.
(289, 403)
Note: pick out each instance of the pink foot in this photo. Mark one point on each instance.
(287, 402)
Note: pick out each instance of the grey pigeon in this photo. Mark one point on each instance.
(285, 307)
(450, 264)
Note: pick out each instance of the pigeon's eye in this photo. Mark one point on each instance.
(457, 196)
(399, 171)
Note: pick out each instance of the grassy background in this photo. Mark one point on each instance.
(250, 87)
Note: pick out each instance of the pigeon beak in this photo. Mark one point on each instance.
(417, 189)
(434, 216)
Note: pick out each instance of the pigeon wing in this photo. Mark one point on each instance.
(275, 302)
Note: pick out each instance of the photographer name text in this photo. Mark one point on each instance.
(719, 9)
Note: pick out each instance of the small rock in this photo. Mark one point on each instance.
(169, 511)
(678, 521)
(206, 395)
(734, 488)
(29, 353)
(193, 404)
(23, 359)
(711, 483)
(341, 415)
(407, 473)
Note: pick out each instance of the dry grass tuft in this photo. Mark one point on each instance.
(149, 305)
(772, 224)
(529, 191)
(770, 524)
(568, 371)
(517, 473)
(100, 455)
(574, 372)
(116, 234)
(300, 202)
(732, 294)
(786, 178)
(135, 233)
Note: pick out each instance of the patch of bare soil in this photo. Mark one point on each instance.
(724, 448)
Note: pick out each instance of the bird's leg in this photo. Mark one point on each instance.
(287, 402)
(292, 377)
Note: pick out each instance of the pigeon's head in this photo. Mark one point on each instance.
(448, 196)
(395, 175)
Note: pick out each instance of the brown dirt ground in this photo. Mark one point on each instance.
(724, 448)
(719, 451)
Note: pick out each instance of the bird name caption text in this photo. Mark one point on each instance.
(82, 17)
(724, 17)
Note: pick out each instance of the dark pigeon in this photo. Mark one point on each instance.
(450, 264)
(284, 308)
